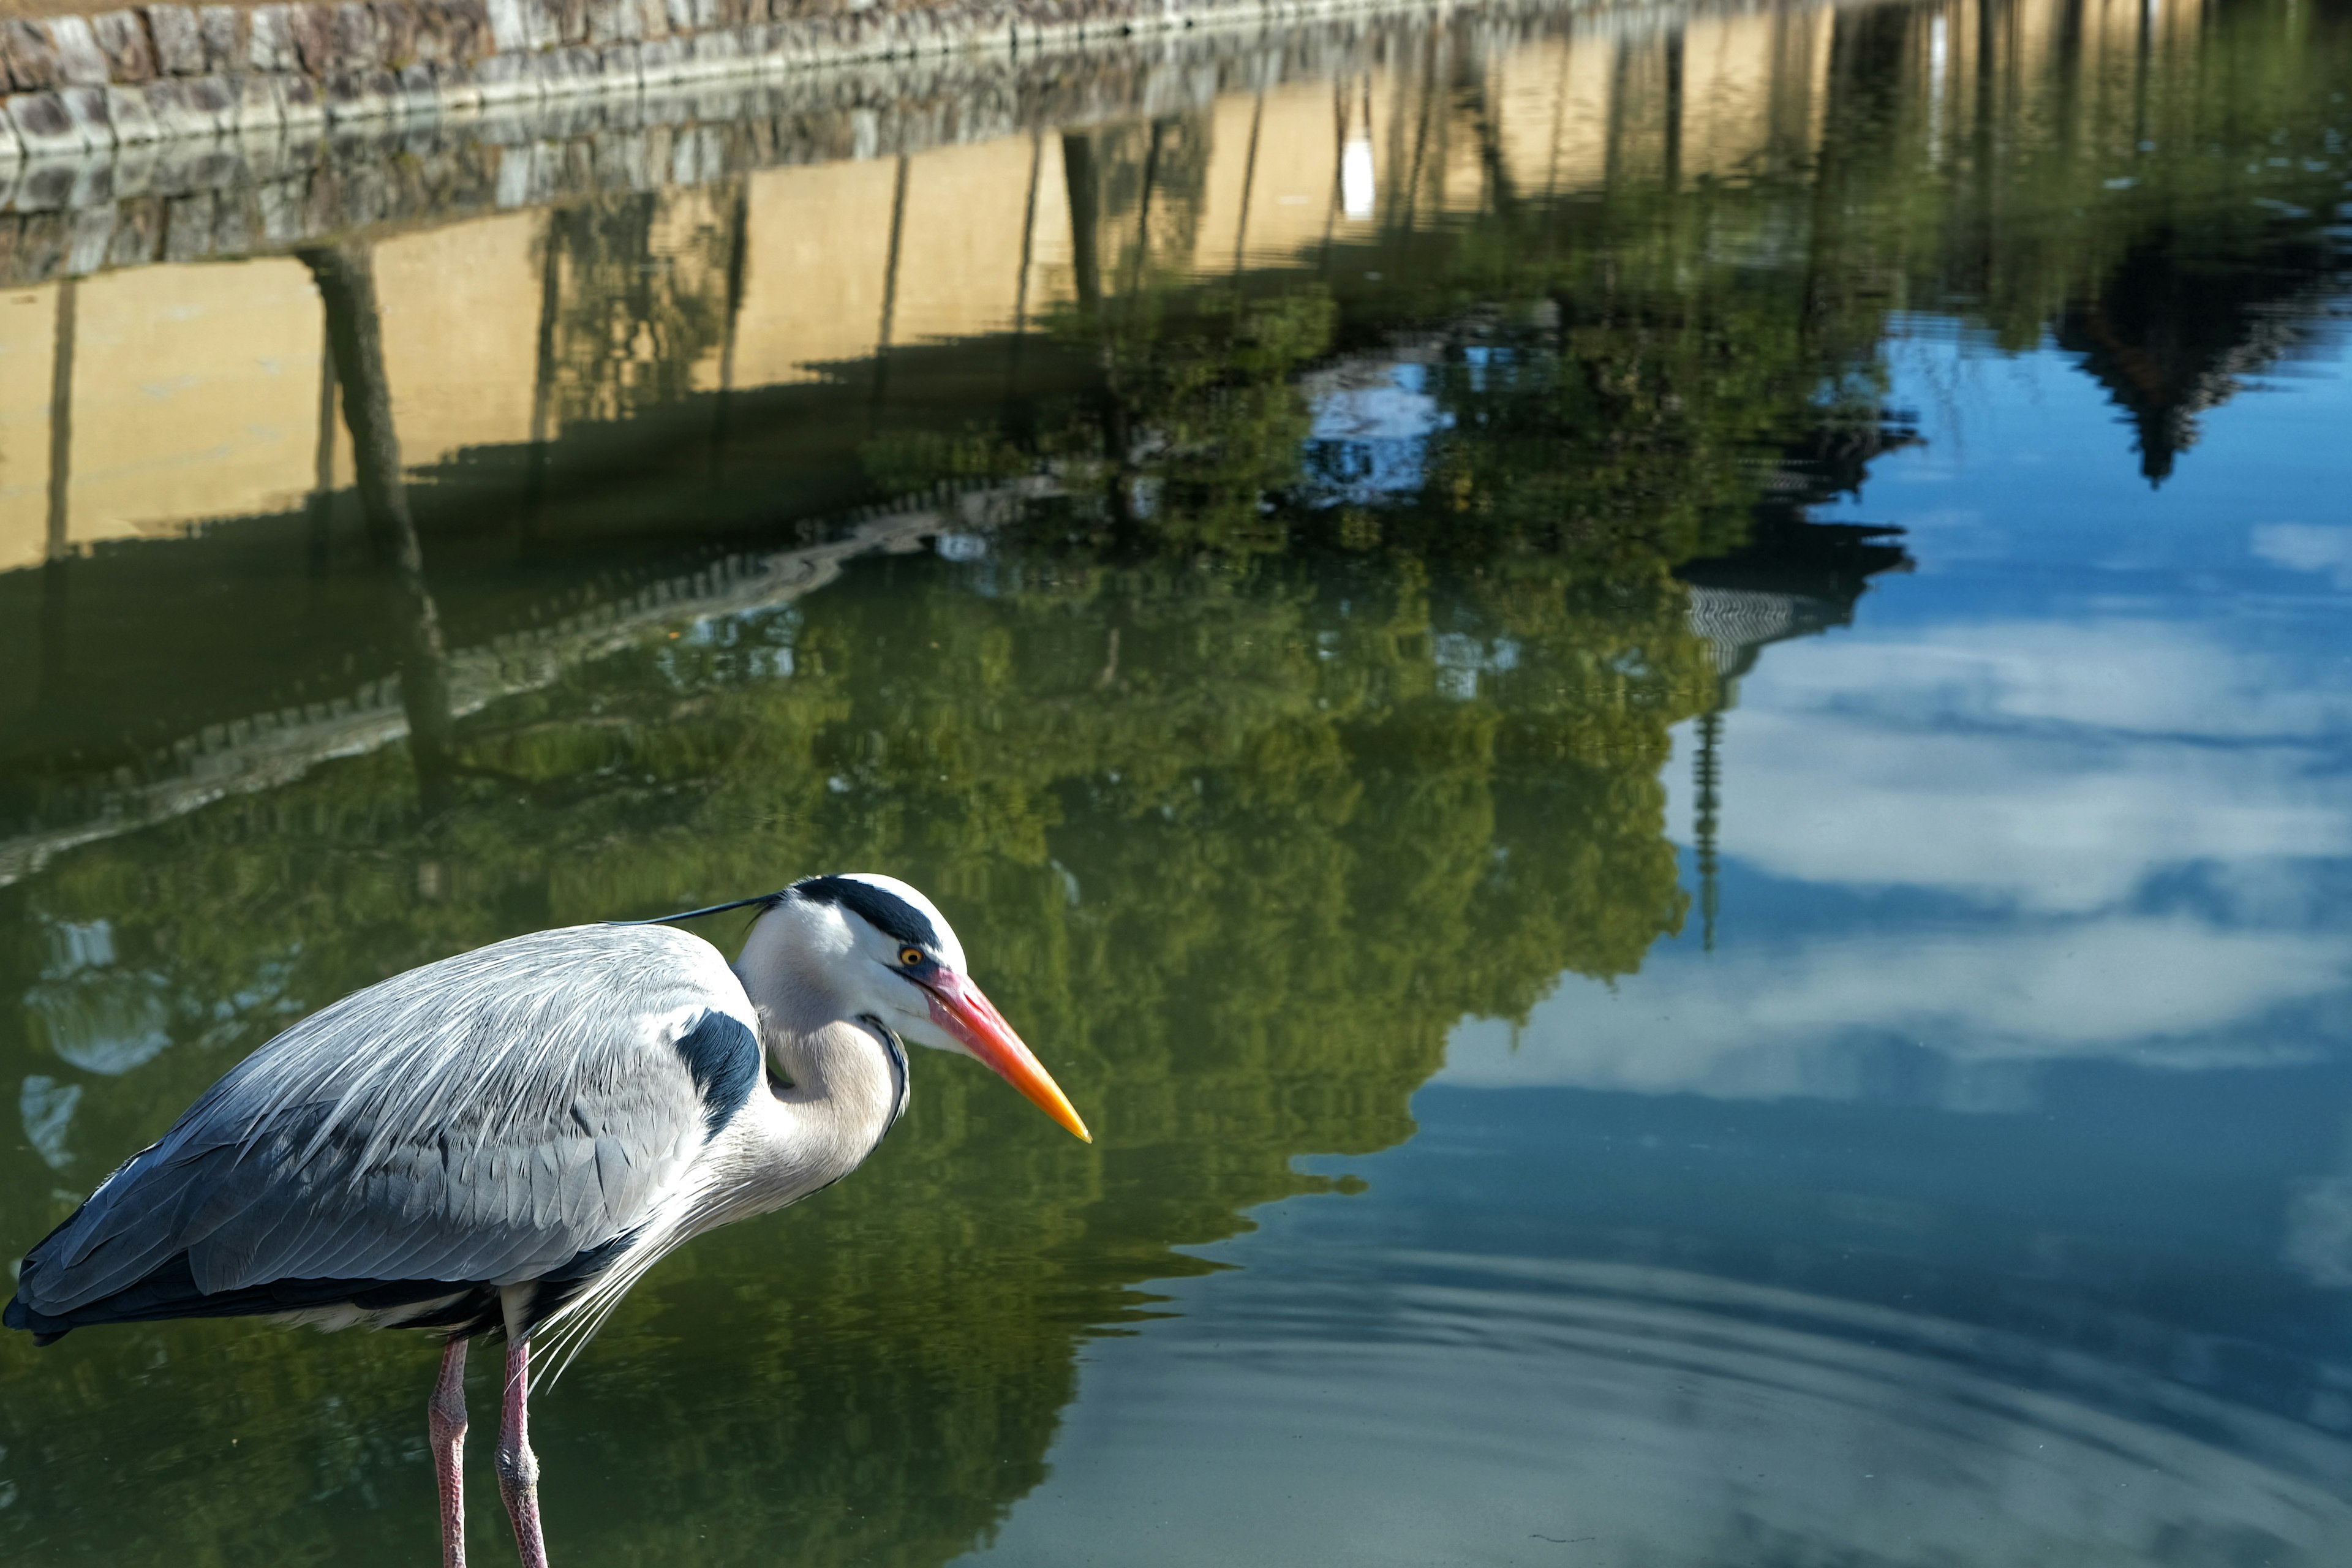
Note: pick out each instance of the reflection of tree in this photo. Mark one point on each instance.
(1245, 788)
(1238, 891)
(345, 276)
(643, 281)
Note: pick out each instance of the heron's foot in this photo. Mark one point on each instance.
(445, 1423)
(518, 1465)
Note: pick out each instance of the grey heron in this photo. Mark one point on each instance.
(507, 1140)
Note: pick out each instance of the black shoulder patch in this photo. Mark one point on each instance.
(891, 915)
(723, 1055)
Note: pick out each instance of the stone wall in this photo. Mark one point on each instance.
(192, 199)
(155, 73)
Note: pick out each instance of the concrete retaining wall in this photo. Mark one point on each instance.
(155, 73)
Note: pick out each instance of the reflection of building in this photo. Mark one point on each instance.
(172, 396)
(143, 403)
(1792, 579)
(2171, 333)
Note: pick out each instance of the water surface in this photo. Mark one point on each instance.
(1652, 712)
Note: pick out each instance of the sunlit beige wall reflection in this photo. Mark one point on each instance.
(194, 389)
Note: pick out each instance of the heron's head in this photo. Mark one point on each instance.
(888, 952)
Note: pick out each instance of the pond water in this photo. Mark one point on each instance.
(1652, 711)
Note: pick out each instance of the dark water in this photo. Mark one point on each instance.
(1674, 788)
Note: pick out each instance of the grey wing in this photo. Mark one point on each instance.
(486, 1118)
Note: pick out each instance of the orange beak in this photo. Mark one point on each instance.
(958, 1008)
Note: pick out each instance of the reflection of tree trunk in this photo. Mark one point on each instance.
(1502, 195)
(890, 289)
(1028, 261)
(542, 389)
(57, 550)
(1674, 116)
(1085, 190)
(740, 211)
(320, 511)
(345, 275)
(1083, 184)
(61, 369)
(1249, 182)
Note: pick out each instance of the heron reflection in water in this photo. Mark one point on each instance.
(506, 1141)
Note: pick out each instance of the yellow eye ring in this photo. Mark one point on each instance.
(910, 956)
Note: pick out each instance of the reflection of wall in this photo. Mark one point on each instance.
(28, 319)
(195, 386)
(960, 254)
(461, 348)
(815, 259)
(1753, 89)
(195, 394)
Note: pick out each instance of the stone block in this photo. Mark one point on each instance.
(214, 97)
(122, 40)
(506, 78)
(138, 229)
(538, 24)
(188, 226)
(190, 106)
(659, 61)
(81, 62)
(396, 34)
(615, 22)
(461, 93)
(126, 110)
(420, 95)
(571, 18)
(40, 236)
(30, 59)
(299, 103)
(279, 205)
(355, 38)
(179, 45)
(313, 27)
(465, 29)
(47, 186)
(426, 34)
(261, 103)
(225, 32)
(509, 30)
(718, 54)
(681, 16)
(86, 108)
(270, 40)
(652, 18)
(618, 67)
(92, 232)
(11, 152)
(232, 224)
(135, 175)
(354, 95)
(574, 70)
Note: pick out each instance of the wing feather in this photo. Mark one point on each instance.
(484, 1118)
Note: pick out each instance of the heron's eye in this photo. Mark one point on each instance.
(910, 956)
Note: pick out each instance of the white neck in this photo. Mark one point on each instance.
(837, 1083)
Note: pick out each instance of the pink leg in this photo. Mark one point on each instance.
(518, 1465)
(444, 1420)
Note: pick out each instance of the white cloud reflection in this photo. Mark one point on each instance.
(1804, 1019)
(2038, 766)
(2051, 779)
